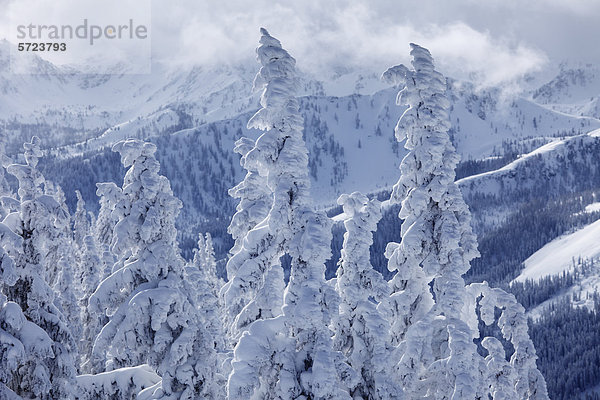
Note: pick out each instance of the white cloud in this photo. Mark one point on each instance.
(496, 40)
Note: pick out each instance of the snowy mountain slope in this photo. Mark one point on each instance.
(65, 107)
(350, 140)
(581, 294)
(560, 167)
(574, 90)
(100, 99)
(562, 253)
(362, 125)
(194, 114)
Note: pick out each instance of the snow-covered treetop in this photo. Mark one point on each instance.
(144, 236)
(149, 197)
(278, 80)
(428, 170)
(396, 75)
(30, 180)
(358, 203)
(132, 149)
(32, 151)
(424, 90)
(280, 152)
(108, 190)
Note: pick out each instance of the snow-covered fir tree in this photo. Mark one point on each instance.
(361, 331)
(110, 194)
(437, 244)
(152, 316)
(291, 355)
(204, 260)
(255, 286)
(61, 259)
(15, 353)
(255, 199)
(68, 288)
(49, 368)
(205, 286)
(520, 375)
(90, 274)
(81, 222)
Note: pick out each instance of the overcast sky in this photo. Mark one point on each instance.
(495, 40)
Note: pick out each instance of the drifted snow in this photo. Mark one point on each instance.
(119, 382)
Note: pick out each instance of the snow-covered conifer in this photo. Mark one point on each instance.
(500, 374)
(50, 373)
(204, 260)
(4, 186)
(521, 373)
(437, 243)
(61, 259)
(92, 321)
(255, 199)
(13, 353)
(361, 332)
(152, 315)
(81, 222)
(109, 194)
(255, 286)
(66, 288)
(24, 349)
(290, 355)
(204, 287)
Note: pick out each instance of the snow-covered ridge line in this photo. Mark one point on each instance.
(549, 149)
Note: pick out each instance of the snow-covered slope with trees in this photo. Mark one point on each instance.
(520, 154)
(195, 115)
(563, 254)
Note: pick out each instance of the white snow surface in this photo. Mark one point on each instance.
(594, 207)
(558, 255)
(117, 382)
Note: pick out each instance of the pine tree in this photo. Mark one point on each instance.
(152, 315)
(361, 332)
(437, 244)
(290, 355)
(50, 372)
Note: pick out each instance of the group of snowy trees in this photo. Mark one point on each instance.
(105, 307)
